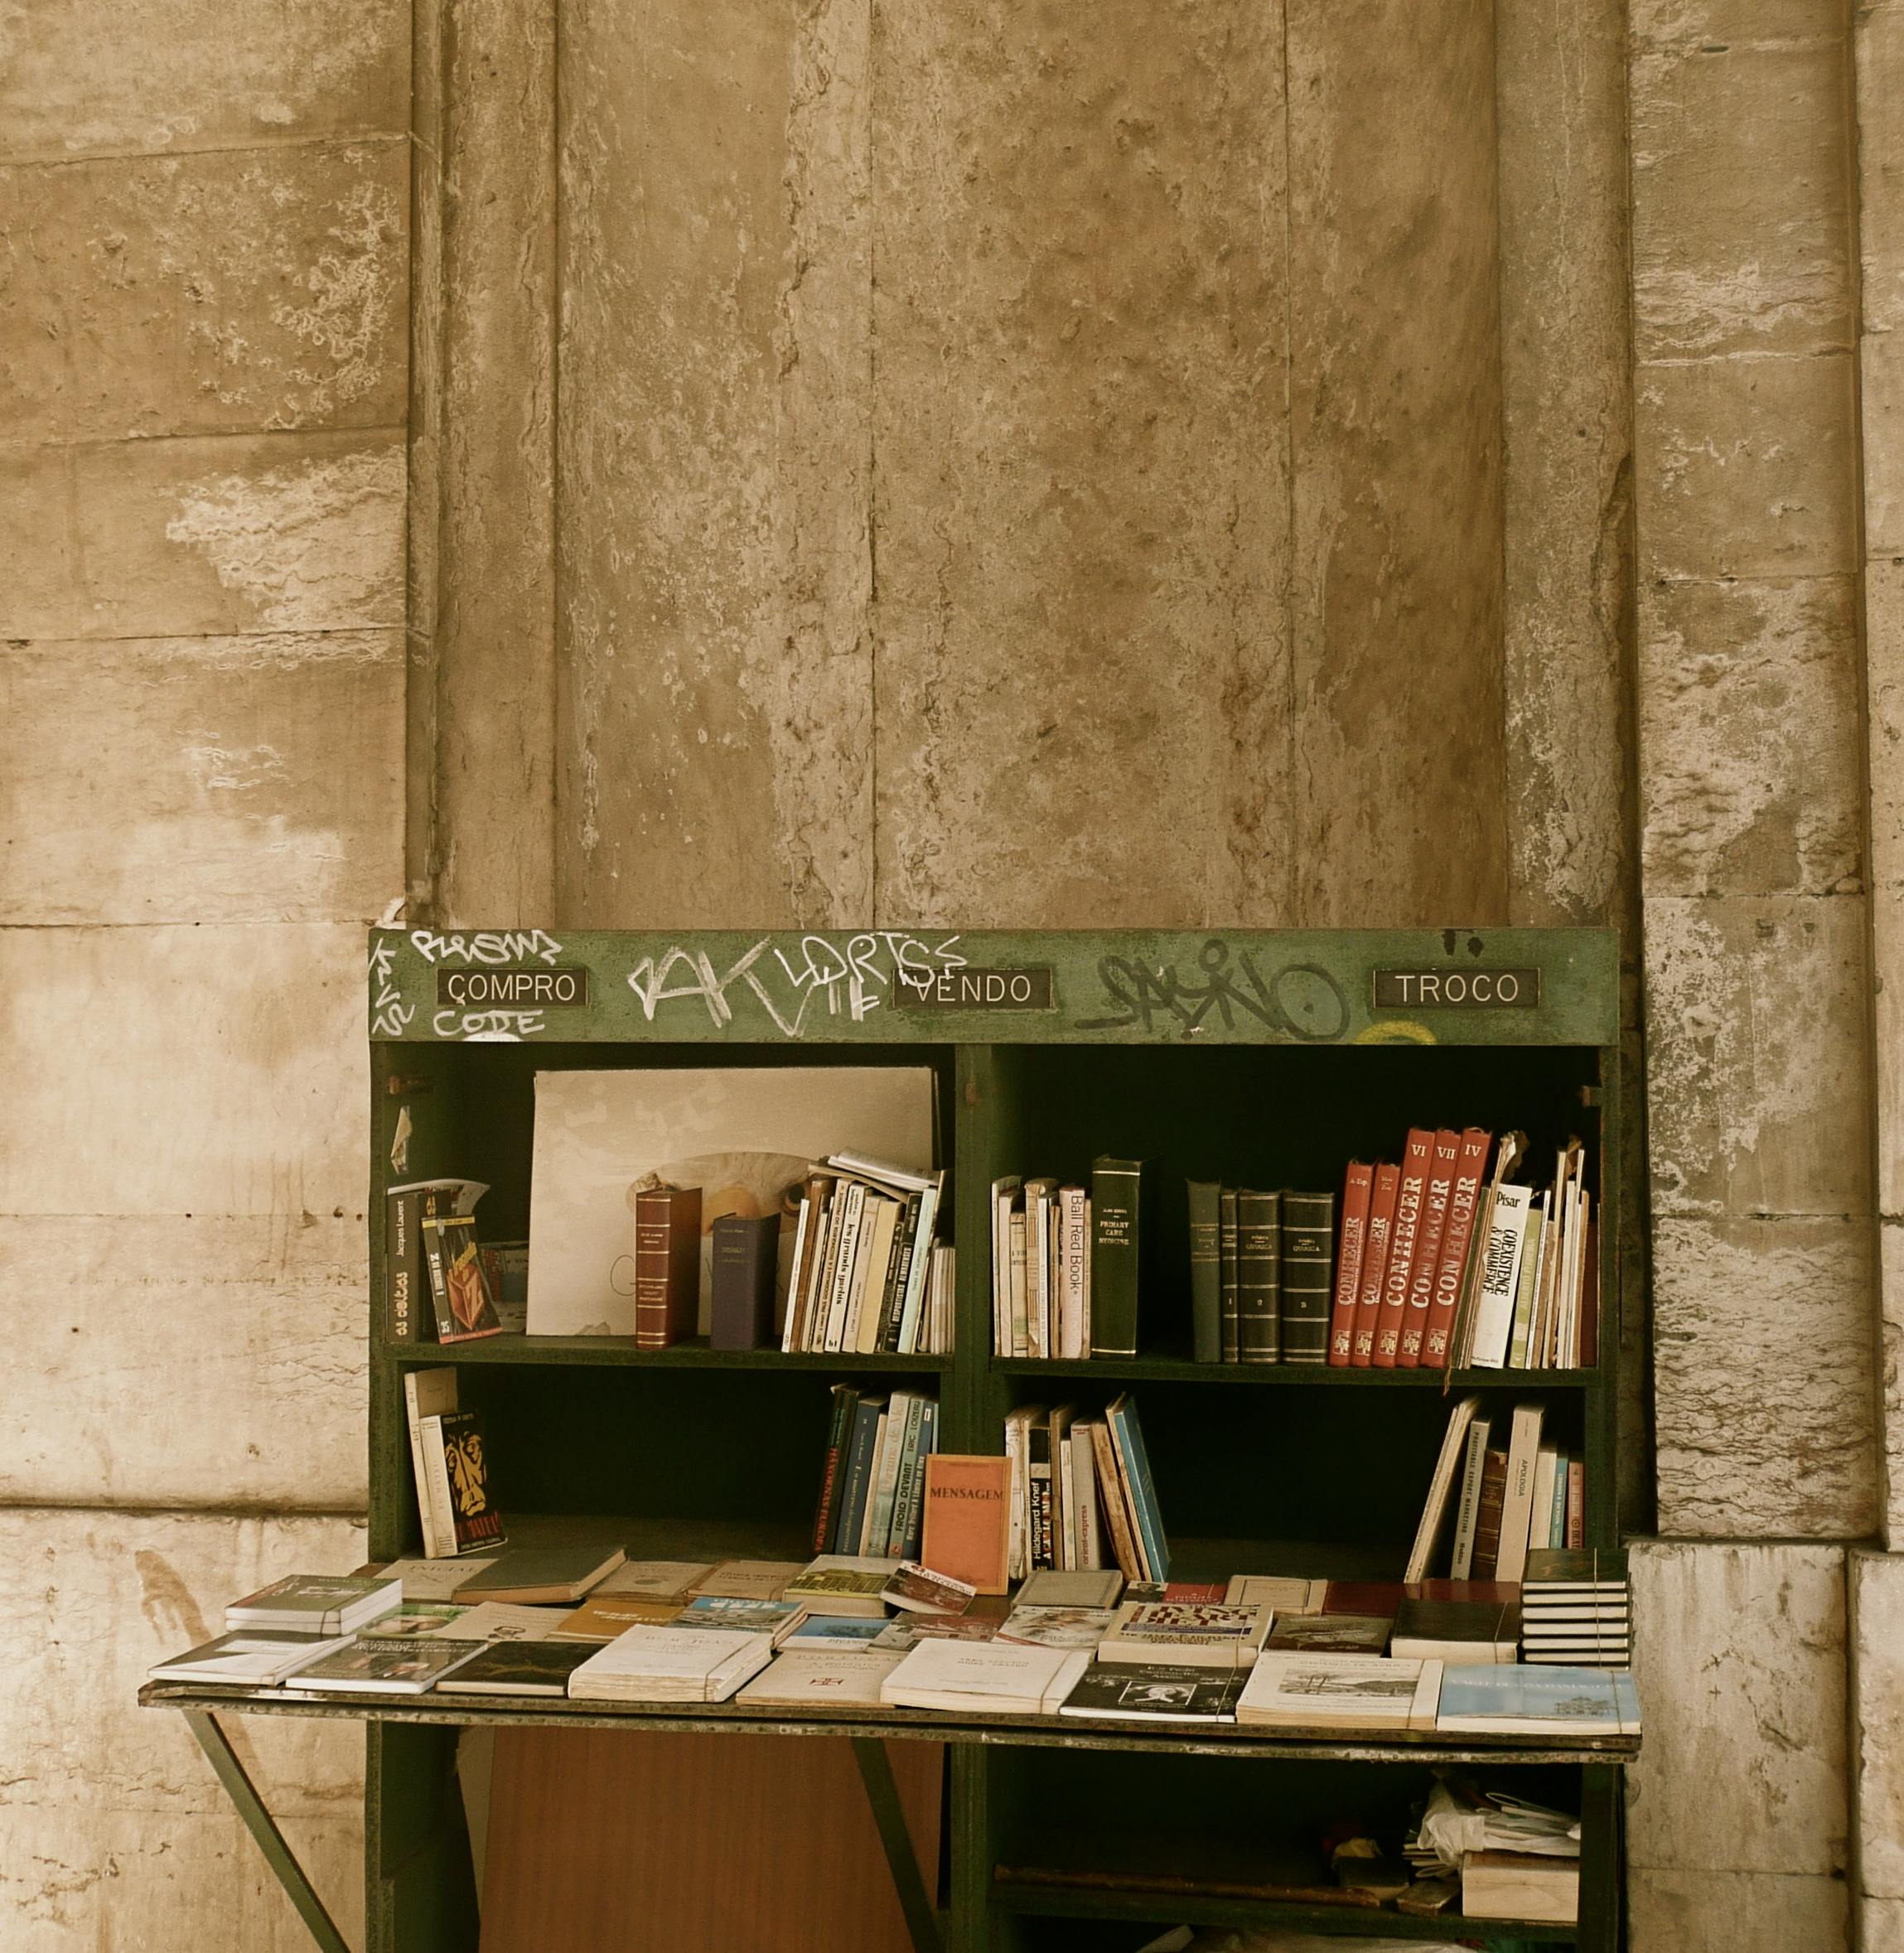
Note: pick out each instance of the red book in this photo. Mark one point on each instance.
(1444, 1304)
(1357, 1193)
(1374, 1264)
(1410, 1194)
(1427, 1248)
(667, 1265)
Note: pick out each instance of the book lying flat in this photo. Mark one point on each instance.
(1456, 1632)
(548, 1574)
(603, 1616)
(416, 1617)
(1074, 1587)
(985, 1678)
(778, 1618)
(250, 1658)
(1276, 1591)
(671, 1664)
(519, 1668)
(1058, 1627)
(1334, 1692)
(1530, 1700)
(842, 1632)
(657, 1579)
(1137, 1692)
(919, 1590)
(389, 1667)
(317, 1603)
(504, 1621)
(841, 1583)
(1199, 1634)
(750, 1579)
(811, 1673)
(1519, 1885)
(435, 1579)
(1329, 1634)
(907, 1630)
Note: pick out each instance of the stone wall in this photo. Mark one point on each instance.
(1352, 463)
(202, 404)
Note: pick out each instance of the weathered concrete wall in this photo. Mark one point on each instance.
(202, 394)
(1002, 473)
(1749, 699)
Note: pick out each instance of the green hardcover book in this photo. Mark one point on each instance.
(1226, 1248)
(1206, 1270)
(1259, 1275)
(1117, 1253)
(1308, 1276)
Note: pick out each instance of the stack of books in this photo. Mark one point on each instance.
(1443, 1261)
(1575, 1609)
(670, 1664)
(317, 1603)
(872, 1485)
(1262, 1268)
(868, 1274)
(1082, 1495)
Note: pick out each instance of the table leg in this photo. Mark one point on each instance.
(889, 1815)
(258, 1820)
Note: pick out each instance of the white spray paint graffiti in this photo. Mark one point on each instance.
(490, 947)
(487, 1027)
(853, 978)
(388, 1012)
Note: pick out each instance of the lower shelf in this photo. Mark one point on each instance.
(1023, 1893)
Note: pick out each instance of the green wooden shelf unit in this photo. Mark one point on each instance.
(1264, 1058)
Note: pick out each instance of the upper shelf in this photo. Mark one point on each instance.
(789, 988)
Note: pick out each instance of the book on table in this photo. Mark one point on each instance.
(317, 1603)
(1128, 1692)
(1307, 1692)
(388, 1667)
(670, 1664)
(518, 1668)
(804, 1676)
(541, 1574)
(249, 1658)
(985, 1678)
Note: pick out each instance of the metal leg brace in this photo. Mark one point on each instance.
(889, 1815)
(250, 1806)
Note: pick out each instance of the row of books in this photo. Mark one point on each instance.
(1509, 1494)
(872, 1488)
(1080, 1493)
(867, 1274)
(1260, 1274)
(1442, 1261)
(442, 1284)
(661, 1631)
(1045, 1245)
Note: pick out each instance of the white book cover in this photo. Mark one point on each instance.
(843, 1263)
(434, 1579)
(1500, 1278)
(1084, 1477)
(1540, 1519)
(1279, 1592)
(503, 1621)
(1017, 1237)
(1073, 1263)
(1441, 1486)
(741, 1134)
(254, 1657)
(889, 1456)
(684, 1660)
(1006, 1677)
(805, 1233)
(797, 1678)
(877, 1228)
(1517, 1504)
(1002, 1194)
(1341, 1692)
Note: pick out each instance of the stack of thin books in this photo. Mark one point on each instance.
(317, 1603)
(671, 1664)
(1575, 1611)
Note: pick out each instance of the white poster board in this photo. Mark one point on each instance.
(742, 1135)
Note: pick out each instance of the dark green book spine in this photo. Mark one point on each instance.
(1206, 1270)
(1117, 1247)
(832, 1476)
(1259, 1269)
(404, 1318)
(1308, 1275)
(1227, 1247)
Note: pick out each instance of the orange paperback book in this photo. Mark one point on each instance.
(968, 1510)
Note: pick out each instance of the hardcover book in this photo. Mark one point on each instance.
(667, 1264)
(1436, 1199)
(1259, 1276)
(1386, 1183)
(1307, 1286)
(1206, 1199)
(745, 1249)
(1358, 1191)
(1411, 1189)
(1451, 1265)
(1117, 1249)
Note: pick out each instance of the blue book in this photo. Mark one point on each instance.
(858, 1486)
(1127, 1436)
(837, 1628)
(1499, 1700)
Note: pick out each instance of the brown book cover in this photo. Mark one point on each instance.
(1358, 1195)
(1111, 1498)
(1410, 1190)
(968, 1519)
(1383, 1188)
(667, 1265)
(1436, 1201)
(1488, 1516)
(1470, 1168)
